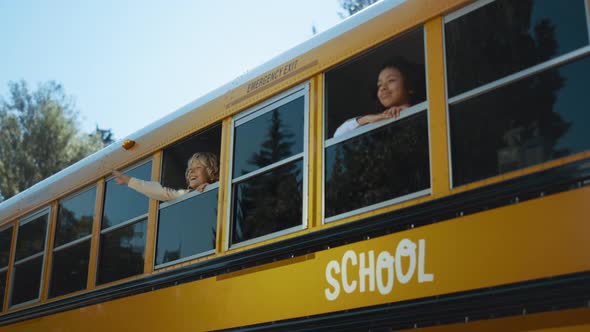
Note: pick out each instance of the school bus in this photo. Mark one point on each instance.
(466, 210)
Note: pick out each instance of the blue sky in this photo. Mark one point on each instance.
(128, 63)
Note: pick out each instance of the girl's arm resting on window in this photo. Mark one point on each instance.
(348, 126)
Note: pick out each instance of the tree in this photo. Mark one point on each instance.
(514, 126)
(272, 201)
(354, 6)
(39, 136)
(380, 165)
(106, 135)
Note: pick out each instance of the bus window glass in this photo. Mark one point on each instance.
(29, 258)
(377, 148)
(122, 252)
(268, 182)
(75, 217)
(282, 126)
(505, 36)
(391, 161)
(31, 238)
(5, 239)
(123, 234)
(3, 276)
(187, 228)
(70, 269)
(71, 247)
(272, 196)
(187, 225)
(121, 203)
(500, 123)
(27, 281)
(528, 122)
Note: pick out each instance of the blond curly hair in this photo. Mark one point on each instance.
(209, 161)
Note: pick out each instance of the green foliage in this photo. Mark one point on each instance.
(354, 6)
(39, 136)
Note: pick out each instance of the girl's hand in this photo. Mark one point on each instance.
(392, 112)
(121, 178)
(371, 118)
(395, 111)
(201, 188)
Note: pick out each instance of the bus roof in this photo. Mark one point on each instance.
(165, 131)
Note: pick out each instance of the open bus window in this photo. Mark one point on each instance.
(5, 240)
(377, 149)
(123, 229)
(71, 247)
(175, 158)
(29, 258)
(351, 88)
(187, 226)
(268, 177)
(517, 85)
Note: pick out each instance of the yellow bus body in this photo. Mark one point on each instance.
(515, 245)
(473, 252)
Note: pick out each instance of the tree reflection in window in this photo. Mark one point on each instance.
(75, 217)
(271, 201)
(30, 253)
(506, 36)
(69, 269)
(187, 228)
(381, 165)
(528, 121)
(122, 252)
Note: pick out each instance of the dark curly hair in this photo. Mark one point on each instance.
(413, 75)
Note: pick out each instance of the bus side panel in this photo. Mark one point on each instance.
(561, 321)
(531, 240)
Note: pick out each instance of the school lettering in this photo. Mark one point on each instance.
(359, 272)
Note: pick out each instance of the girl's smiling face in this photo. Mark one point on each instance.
(196, 175)
(391, 89)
